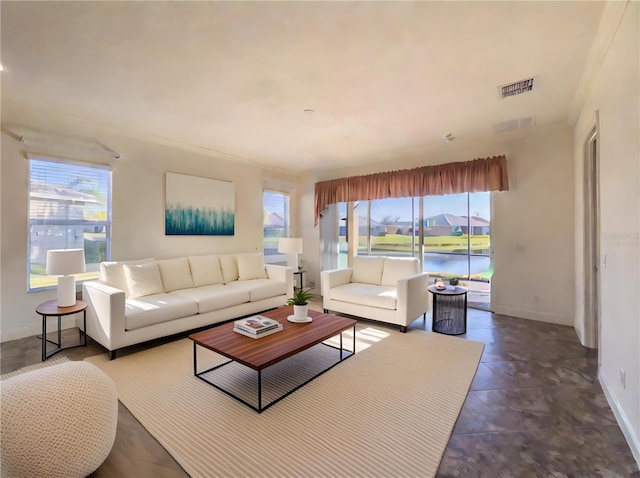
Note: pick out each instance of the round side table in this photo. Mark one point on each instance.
(449, 310)
(50, 308)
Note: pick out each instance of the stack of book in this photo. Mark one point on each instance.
(256, 326)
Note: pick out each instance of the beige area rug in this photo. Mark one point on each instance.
(386, 411)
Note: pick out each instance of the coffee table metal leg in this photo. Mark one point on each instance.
(259, 390)
(353, 350)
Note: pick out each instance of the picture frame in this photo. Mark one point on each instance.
(196, 206)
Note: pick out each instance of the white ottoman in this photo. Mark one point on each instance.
(59, 421)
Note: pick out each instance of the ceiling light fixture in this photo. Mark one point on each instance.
(448, 137)
(309, 111)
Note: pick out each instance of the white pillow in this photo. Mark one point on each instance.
(367, 269)
(251, 266)
(112, 273)
(229, 266)
(205, 270)
(175, 274)
(398, 267)
(143, 279)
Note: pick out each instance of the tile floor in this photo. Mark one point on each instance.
(535, 409)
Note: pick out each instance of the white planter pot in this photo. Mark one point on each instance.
(300, 311)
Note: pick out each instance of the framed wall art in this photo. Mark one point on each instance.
(197, 206)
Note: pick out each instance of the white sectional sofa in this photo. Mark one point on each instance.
(387, 289)
(136, 301)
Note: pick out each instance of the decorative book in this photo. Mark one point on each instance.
(256, 324)
(278, 328)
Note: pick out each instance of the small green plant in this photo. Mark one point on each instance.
(300, 297)
(453, 281)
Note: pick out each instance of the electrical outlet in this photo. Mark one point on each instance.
(623, 378)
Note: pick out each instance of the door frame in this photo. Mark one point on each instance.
(591, 235)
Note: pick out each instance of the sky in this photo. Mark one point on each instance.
(479, 205)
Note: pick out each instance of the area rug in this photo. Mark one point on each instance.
(386, 411)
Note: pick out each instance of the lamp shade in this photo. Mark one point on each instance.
(290, 245)
(62, 262)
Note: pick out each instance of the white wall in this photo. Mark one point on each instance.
(138, 205)
(532, 225)
(614, 94)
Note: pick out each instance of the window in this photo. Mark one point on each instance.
(69, 208)
(275, 223)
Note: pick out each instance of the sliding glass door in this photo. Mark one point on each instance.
(454, 231)
(457, 241)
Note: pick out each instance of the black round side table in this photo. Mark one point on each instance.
(50, 308)
(449, 310)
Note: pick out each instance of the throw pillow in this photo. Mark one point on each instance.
(175, 274)
(229, 266)
(112, 273)
(251, 266)
(143, 279)
(205, 270)
(367, 269)
(398, 267)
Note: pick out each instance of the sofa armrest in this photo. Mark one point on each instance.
(105, 312)
(412, 297)
(334, 278)
(281, 274)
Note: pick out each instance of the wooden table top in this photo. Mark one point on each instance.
(265, 351)
(50, 307)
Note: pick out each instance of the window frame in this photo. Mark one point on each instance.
(50, 282)
(277, 257)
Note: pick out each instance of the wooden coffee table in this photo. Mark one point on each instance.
(258, 354)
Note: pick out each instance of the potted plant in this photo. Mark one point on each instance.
(453, 282)
(300, 301)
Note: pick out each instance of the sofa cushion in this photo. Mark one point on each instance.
(157, 308)
(383, 297)
(229, 266)
(261, 288)
(143, 279)
(214, 297)
(175, 274)
(398, 267)
(251, 266)
(205, 270)
(367, 269)
(112, 273)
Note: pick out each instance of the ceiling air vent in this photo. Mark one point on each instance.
(514, 125)
(519, 87)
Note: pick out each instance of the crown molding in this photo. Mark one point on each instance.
(97, 128)
(609, 22)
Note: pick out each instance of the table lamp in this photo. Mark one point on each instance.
(64, 263)
(291, 246)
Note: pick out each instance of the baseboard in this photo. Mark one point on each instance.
(533, 315)
(621, 417)
(36, 329)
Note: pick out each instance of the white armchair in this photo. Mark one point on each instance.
(387, 289)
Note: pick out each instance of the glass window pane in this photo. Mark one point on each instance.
(446, 242)
(392, 227)
(69, 208)
(275, 221)
(480, 234)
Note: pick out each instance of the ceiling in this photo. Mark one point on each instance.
(298, 85)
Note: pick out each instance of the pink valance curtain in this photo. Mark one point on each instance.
(489, 174)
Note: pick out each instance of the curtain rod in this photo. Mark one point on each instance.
(34, 140)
